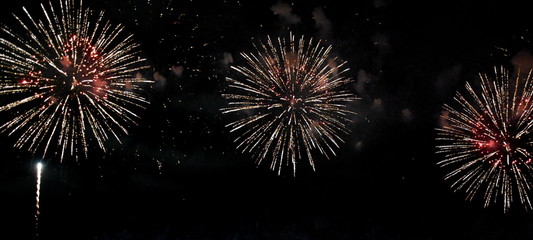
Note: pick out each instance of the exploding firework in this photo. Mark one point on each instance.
(293, 99)
(486, 139)
(67, 79)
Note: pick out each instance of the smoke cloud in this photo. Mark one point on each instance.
(160, 81)
(407, 115)
(322, 23)
(228, 59)
(284, 11)
(447, 79)
(523, 60)
(178, 70)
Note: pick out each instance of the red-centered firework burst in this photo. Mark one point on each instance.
(486, 138)
(292, 97)
(68, 79)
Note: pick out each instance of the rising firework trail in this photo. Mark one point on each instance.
(292, 98)
(486, 139)
(38, 197)
(68, 79)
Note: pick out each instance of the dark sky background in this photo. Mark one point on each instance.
(178, 175)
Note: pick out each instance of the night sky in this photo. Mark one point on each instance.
(177, 175)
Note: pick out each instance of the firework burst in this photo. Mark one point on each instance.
(486, 139)
(67, 79)
(293, 99)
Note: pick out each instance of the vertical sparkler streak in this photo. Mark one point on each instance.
(295, 101)
(486, 139)
(73, 75)
(38, 198)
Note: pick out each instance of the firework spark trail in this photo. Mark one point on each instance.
(486, 139)
(296, 101)
(68, 78)
(38, 197)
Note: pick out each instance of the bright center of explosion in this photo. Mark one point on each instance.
(80, 67)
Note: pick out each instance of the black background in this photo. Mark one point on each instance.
(178, 175)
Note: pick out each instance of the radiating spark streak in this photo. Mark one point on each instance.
(69, 78)
(296, 103)
(486, 139)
